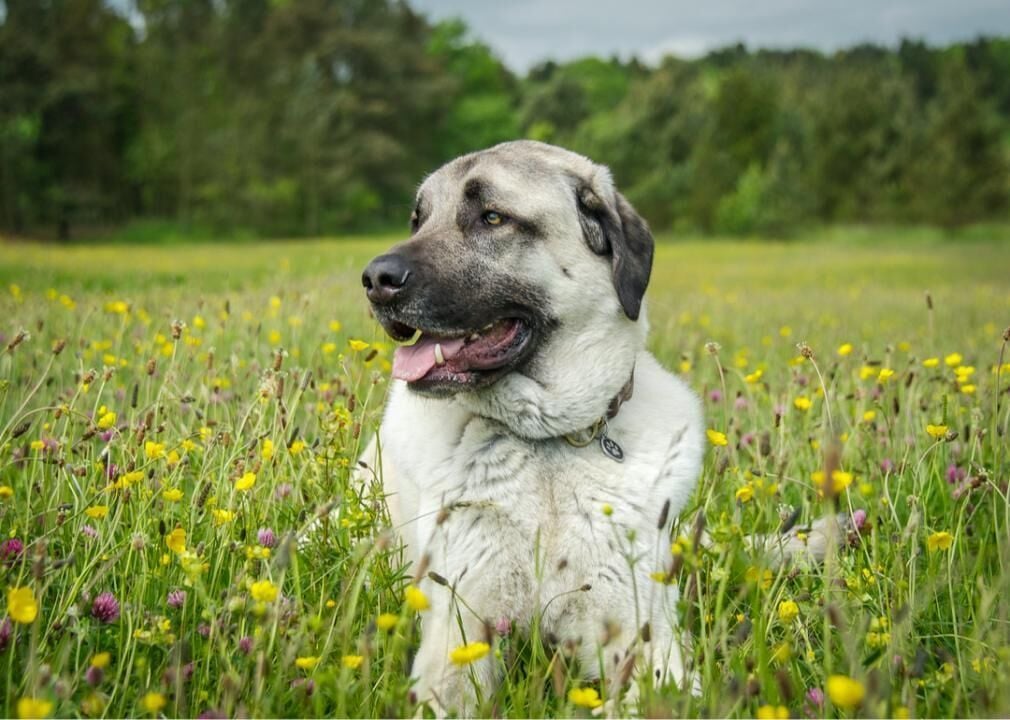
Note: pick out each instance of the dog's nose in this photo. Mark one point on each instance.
(384, 277)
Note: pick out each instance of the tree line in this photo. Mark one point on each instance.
(309, 117)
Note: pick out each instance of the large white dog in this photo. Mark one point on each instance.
(533, 454)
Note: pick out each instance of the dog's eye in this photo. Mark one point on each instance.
(493, 218)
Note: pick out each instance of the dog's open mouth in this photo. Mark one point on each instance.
(459, 359)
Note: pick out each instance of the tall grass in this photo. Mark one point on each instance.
(225, 392)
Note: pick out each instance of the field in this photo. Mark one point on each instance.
(171, 418)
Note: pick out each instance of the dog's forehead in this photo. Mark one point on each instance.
(520, 172)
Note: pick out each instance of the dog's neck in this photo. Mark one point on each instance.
(555, 399)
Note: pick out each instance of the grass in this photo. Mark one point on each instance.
(189, 373)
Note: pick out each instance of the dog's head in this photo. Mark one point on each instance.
(524, 265)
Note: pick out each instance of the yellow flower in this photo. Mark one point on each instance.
(245, 482)
(6, 491)
(37, 444)
(754, 376)
(867, 371)
(716, 438)
(968, 389)
(584, 697)
(173, 457)
(296, 447)
(931, 362)
(263, 591)
(188, 445)
(274, 337)
(132, 477)
(107, 420)
(358, 345)
(153, 702)
(782, 653)
(329, 348)
(845, 349)
(471, 652)
(223, 516)
(788, 611)
(352, 662)
(93, 704)
(607, 509)
(802, 403)
(101, 660)
(869, 416)
(307, 663)
(840, 480)
(785, 331)
(936, 431)
(845, 692)
(29, 707)
(154, 450)
(22, 605)
(387, 621)
(939, 541)
(172, 494)
(953, 360)
(773, 712)
(198, 322)
(685, 366)
(416, 599)
(176, 541)
(268, 449)
(335, 326)
(97, 512)
(884, 375)
(745, 494)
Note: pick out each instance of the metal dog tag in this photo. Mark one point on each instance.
(611, 449)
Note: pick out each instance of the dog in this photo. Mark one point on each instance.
(533, 454)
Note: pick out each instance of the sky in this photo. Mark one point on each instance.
(525, 32)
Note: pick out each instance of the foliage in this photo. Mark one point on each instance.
(173, 419)
(306, 117)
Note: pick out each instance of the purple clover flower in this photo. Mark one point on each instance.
(105, 608)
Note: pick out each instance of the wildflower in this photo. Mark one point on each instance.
(245, 645)
(335, 326)
(93, 676)
(172, 494)
(953, 360)
(939, 541)
(101, 660)
(869, 416)
(788, 611)
(6, 491)
(97, 512)
(745, 494)
(584, 697)
(268, 449)
(416, 599)
(753, 377)
(471, 652)
(154, 450)
(22, 607)
(176, 541)
(781, 653)
(802, 403)
(352, 662)
(968, 389)
(6, 630)
(37, 445)
(329, 348)
(153, 702)
(386, 621)
(845, 349)
(266, 537)
(306, 663)
(263, 591)
(176, 599)
(815, 696)
(717, 438)
(867, 371)
(107, 419)
(245, 482)
(30, 707)
(358, 345)
(773, 712)
(845, 692)
(173, 458)
(105, 608)
(931, 362)
(884, 375)
(607, 509)
(89, 532)
(936, 432)
(296, 447)
(222, 517)
(10, 550)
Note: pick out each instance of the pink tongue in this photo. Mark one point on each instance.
(413, 362)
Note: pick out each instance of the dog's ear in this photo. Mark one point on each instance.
(616, 229)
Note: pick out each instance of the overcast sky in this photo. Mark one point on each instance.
(524, 32)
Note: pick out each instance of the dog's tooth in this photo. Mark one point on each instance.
(474, 337)
(439, 357)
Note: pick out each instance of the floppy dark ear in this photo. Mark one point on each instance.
(621, 232)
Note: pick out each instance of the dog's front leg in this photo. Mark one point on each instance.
(453, 684)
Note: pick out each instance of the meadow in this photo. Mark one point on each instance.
(173, 418)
